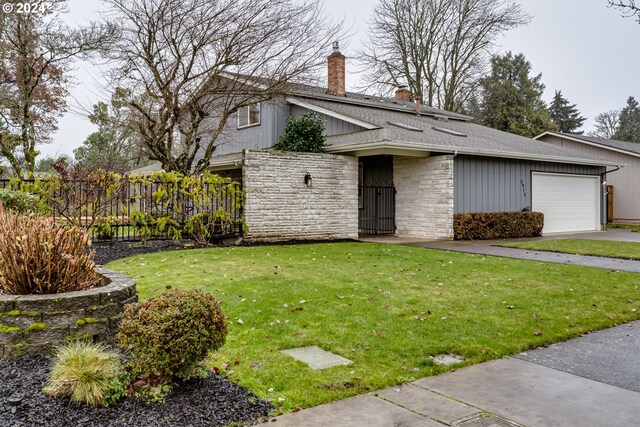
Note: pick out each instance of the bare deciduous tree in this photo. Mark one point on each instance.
(36, 50)
(191, 62)
(629, 7)
(439, 48)
(606, 124)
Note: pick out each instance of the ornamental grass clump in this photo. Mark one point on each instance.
(38, 256)
(170, 335)
(87, 373)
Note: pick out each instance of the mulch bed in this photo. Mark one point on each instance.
(111, 251)
(214, 401)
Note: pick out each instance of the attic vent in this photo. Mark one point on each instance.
(407, 127)
(449, 131)
(441, 118)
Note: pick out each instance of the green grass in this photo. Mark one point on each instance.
(605, 248)
(387, 308)
(633, 227)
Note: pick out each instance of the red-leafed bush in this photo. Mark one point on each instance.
(40, 257)
(497, 225)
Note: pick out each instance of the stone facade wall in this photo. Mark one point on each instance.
(37, 323)
(279, 205)
(424, 198)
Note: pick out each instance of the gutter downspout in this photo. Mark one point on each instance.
(605, 193)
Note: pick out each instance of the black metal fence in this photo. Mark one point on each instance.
(377, 213)
(125, 212)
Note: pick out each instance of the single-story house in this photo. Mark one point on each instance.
(393, 166)
(622, 186)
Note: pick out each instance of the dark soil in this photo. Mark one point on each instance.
(213, 401)
(110, 251)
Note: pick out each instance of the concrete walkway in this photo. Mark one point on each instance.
(533, 389)
(490, 247)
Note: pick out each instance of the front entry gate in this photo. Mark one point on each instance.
(377, 211)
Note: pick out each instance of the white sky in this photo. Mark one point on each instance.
(581, 47)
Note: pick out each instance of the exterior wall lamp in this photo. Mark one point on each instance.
(308, 180)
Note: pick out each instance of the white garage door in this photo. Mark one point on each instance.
(569, 202)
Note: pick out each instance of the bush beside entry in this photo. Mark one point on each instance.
(497, 225)
(171, 334)
(305, 134)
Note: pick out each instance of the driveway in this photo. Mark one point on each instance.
(590, 381)
(490, 247)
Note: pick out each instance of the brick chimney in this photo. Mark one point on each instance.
(403, 94)
(336, 71)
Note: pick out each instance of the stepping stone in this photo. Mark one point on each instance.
(316, 357)
(447, 359)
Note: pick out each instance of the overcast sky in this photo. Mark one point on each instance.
(581, 47)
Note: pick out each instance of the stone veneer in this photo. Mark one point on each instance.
(279, 206)
(37, 323)
(424, 197)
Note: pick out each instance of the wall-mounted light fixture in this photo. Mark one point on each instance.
(308, 180)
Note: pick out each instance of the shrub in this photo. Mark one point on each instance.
(170, 335)
(86, 372)
(305, 134)
(497, 225)
(18, 201)
(39, 257)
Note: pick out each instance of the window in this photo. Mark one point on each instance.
(249, 116)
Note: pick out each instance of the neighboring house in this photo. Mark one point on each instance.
(395, 167)
(625, 182)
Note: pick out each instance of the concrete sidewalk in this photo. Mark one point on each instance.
(505, 393)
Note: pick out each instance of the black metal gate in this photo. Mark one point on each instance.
(377, 213)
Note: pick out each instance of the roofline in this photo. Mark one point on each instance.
(394, 145)
(232, 162)
(584, 141)
(381, 105)
(331, 113)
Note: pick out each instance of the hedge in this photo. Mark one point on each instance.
(497, 225)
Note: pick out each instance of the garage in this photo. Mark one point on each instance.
(569, 202)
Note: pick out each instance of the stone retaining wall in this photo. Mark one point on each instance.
(37, 323)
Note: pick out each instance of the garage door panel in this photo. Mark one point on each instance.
(569, 202)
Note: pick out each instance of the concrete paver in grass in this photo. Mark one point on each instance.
(316, 357)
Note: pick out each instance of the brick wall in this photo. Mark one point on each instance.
(279, 206)
(424, 198)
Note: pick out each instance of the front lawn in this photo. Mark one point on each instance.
(624, 250)
(632, 227)
(387, 308)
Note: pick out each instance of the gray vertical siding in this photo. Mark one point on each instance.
(273, 115)
(332, 125)
(489, 184)
(273, 118)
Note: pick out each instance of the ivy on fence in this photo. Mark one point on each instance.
(163, 204)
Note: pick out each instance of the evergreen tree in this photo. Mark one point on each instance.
(512, 100)
(565, 116)
(629, 122)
